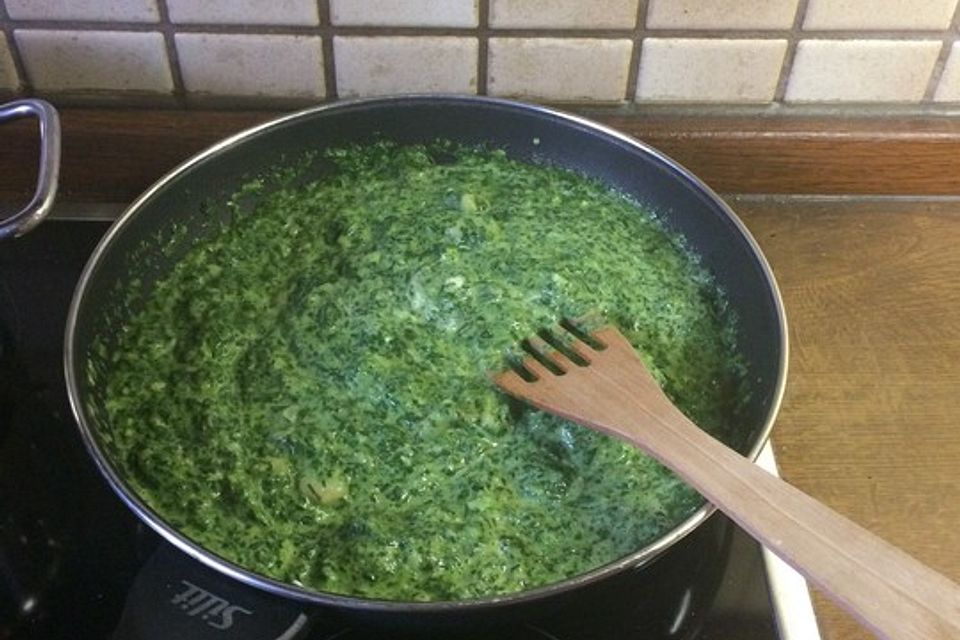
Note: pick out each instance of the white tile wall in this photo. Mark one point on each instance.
(562, 69)
(701, 70)
(8, 73)
(861, 70)
(721, 14)
(591, 14)
(717, 51)
(398, 64)
(949, 89)
(251, 65)
(294, 12)
(405, 13)
(95, 60)
(98, 10)
(879, 14)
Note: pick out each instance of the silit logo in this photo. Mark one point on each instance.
(212, 609)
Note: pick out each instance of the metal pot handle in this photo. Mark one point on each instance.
(31, 215)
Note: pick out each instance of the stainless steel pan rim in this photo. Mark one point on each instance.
(193, 549)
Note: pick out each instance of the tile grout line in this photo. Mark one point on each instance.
(868, 110)
(633, 68)
(173, 57)
(936, 74)
(483, 47)
(363, 30)
(793, 40)
(7, 27)
(329, 55)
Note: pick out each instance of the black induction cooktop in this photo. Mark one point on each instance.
(76, 563)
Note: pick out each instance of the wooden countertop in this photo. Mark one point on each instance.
(870, 424)
(871, 420)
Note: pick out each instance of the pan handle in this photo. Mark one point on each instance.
(49, 173)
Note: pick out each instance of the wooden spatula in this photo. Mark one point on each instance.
(613, 392)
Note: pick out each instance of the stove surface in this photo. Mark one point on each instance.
(75, 563)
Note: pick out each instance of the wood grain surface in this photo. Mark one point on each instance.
(114, 154)
(871, 420)
(810, 155)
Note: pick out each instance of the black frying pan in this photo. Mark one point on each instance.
(198, 190)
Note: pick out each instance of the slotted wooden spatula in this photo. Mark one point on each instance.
(613, 392)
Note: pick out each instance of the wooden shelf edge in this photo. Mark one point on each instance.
(114, 154)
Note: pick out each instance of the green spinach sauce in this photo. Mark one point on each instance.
(306, 392)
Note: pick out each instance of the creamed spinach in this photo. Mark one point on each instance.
(306, 394)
